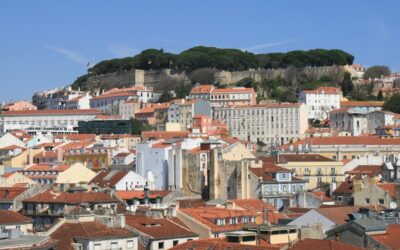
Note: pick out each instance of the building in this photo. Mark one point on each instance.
(93, 235)
(368, 192)
(369, 105)
(321, 101)
(224, 96)
(276, 123)
(45, 208)
(182, 111)
(327, 217)
(347, 147)
(13, 221)
(128, 108)
(114, 126)
(277, 185)
(55, 98)
(213, 222)
(159, 233)
(118, 180)
(206, 125)
(315, 169)
(356, 70)
(359, 121)
(45, 121)
(80, 102)
(44, 173)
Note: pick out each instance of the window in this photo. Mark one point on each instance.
(97, 246)
(367, 200)
(319, 179)
(129, 244)
(284, 189)
(161, 245)
(114, 245)
(333, 178)
(284, 176)
(175, 242)
(381, 201)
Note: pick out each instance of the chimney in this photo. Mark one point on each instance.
(60, 155)
(230, 205)
(146, 195)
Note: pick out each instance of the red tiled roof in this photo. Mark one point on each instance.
(322, 196)
(220, 244)
(361, 104)
(50, 196)
(159, 228)
(390, 239)
(139, 194)
(325, 90)
(121, 155)
(345, 140)
(11, 217)
(202, 89)
(76, 145)
(390, 188)
(269, 105)
(46, 154)
(207, 215)
(346, 187)
(11, 147)
(307, 244)
(284, 158)
(76, 137)
(68, 232)
(108, 178)
(9, 193)
(52, 112)
(254, 205)
(166, 135)
(233, 90)
(46, 167)
(338, 215)
(369, 170)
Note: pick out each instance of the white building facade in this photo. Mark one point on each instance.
(45, 121)
(321, 101)
(271, 123)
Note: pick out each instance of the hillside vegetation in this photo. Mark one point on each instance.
(216, 58)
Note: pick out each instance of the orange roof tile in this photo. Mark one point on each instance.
(202, 89)
(9, 193)
(233, 90)
(350, 104)
(13, 218)
(52, 112)
(307, 244)
(390, 239)
(325, 90)
(139, 194)
(71, 198)
(221, 244)
(390, 188)
(76, 137)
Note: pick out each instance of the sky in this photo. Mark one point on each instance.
(47, 44)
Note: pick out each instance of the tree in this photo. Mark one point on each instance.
(347, 84)
(247, 82)
(165, 97)
(376, 72)
(393, 103)
(380, 95)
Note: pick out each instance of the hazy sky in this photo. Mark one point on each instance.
(46, 44)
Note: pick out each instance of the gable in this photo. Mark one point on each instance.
(313, 217)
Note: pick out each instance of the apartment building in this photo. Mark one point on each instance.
(315, 169)
(224, 96)
(45, 121)
(270, 123)
(55, 98)
(182, 111)
(359, 120)
(321, 101)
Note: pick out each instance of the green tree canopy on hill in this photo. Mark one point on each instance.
(376, 72)
(393, 103)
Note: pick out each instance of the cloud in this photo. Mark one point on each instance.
(70, 54)
(121, 50)
(269, 45)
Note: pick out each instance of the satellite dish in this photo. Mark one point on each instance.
(259, 220)
(393, 205)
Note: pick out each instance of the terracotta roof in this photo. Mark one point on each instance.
(12, 147)
(139, 194)
(220, 244)
(159, 228)
(108, 117)
(202, 89)
(166, 135)
(108, 178)
(254, 205)
(369, 170)
(68, 232)
(121, 155)
(285, 158)
(345, 140)
(233, 90)
(50, 196)
(11, 217)
(346, 187)
(9, 193)
(207, 216)
(307, 244)
(116, 136)
(361, 104)
(112, 95)
(76, 137)
(46, 167)
(190, 203)
(390, 239)
(338, 215)
(267, 169)
(325, 90)
(52, 112)
(46, 154)
(322, 196)
(76, 145)
(269, 105)
(390, 188)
